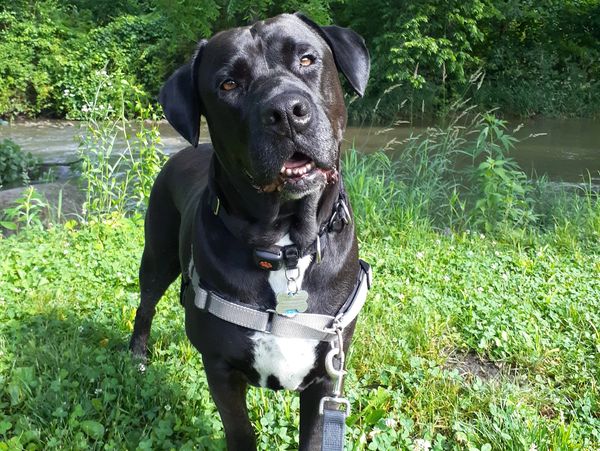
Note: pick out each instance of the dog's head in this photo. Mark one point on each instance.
(272, 99)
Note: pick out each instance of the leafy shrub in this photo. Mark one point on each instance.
(16, 166)
(123, 50)
(51, 62)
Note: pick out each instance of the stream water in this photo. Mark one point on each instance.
(564, 149)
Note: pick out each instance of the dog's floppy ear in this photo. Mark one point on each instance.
(181, 101)
(349, 51)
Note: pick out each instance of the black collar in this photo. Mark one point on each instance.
(275, 257)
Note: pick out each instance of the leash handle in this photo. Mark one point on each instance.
(334, 429)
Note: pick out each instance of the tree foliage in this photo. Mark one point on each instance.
(528, 57)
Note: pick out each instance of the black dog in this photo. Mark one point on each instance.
(258, 223)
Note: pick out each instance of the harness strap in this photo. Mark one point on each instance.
(311, 326)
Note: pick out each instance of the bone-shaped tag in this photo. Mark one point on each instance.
(289, 303)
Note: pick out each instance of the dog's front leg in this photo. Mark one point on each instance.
(228, 390)
(311, 423)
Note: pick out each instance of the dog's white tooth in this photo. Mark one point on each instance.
(288, 172)
(282, 169)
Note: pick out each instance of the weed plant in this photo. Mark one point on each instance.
(28, 212)
(119, 181)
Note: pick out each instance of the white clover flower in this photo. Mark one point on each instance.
(373, 433)
(97, 391)
(142, 368)
(446, 278)
(391, 423)
(420, 255)
(421, 445)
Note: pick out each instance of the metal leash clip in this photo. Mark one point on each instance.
(337, 374)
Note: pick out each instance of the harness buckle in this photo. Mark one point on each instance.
(291, 255)
(269, 325)
(367, 271)
(276, 257)
(337, 400)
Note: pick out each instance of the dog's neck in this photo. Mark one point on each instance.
(269, 216)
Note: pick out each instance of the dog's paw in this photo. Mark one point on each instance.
(139, 351)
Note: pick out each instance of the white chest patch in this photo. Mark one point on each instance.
(287, 359)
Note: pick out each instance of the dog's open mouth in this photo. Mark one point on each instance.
(297, 168)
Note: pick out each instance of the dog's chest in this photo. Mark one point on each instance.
(283, 362)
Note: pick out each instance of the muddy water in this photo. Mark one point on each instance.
(564, 149)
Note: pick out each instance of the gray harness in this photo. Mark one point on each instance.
(299, 325)
(311, 326)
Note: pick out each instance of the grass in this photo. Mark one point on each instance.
(442, 306)
(481, 331)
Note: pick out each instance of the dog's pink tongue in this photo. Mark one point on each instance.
(297, 160)
(291, 164)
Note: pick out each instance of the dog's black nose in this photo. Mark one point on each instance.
(285, 114)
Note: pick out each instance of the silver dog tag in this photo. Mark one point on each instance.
(290, 303)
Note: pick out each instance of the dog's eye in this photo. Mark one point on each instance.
(228, 85)
(307, 60)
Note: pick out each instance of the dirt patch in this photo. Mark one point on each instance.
(470, 364)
